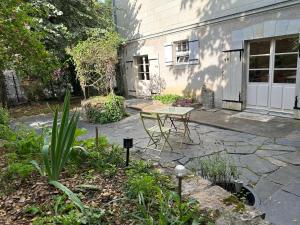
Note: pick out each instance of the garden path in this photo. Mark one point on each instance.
(270, 165)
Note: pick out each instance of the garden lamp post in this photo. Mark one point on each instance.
(128, 144)
(180, 172)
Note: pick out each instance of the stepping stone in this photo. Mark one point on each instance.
(285, 175)
(184, 160)
(276, 161)
(246, 150)
(269, 153)
(265, 189)
(167, 156)
(284, 141)
(282, 208)
(248, 177)
(274, 147)
(293, 188)
(257, 164)
(290, 158)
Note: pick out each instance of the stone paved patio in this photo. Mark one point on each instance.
(271, 166)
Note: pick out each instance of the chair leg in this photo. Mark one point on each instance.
(154, 142)
(173, 124)
(166, 137)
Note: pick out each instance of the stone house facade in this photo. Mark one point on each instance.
(245, 51)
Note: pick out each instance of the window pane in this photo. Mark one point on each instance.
(259, 62)
(286, 61)
(258, 75)
(285, 76)
(258, 48)
(146, 60)
(148, 76)
(147, 68)
(141, 76)
(287, 45)
(141, 68)
(182, 46)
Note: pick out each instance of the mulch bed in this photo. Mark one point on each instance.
(35, 190)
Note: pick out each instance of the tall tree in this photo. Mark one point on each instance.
(21, 47)
(68, 22)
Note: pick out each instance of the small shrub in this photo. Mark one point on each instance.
(20, 169)
(27, 141)
(104, 109)
(106, 160)
(32, 210)
(4, 116)
(220, 170)
(144, 184)
(145, 180)
(167, 99)
(6, 133)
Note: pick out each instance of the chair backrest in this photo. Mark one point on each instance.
(150, 116)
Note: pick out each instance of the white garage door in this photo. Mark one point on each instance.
(272, 69)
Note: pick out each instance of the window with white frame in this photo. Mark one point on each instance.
(283, 52)
(182, 52)
(143, 67)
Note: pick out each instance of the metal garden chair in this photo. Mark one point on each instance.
(156, 133)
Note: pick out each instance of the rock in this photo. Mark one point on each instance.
(250, 217)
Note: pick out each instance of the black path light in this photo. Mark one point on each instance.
(180, 172)
(128, 144)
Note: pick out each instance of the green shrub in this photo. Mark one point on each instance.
(6, 133)
(216, 168)
(106, 160)
(104, 109)
(145, 180)
(167, 99)
(4, 116)
(156, 201)
(27, 141)
(20, 169)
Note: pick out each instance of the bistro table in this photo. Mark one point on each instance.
(180, 114)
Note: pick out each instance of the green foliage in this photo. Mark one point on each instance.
(95, 61)
(4, 116)
(106, 160)
(234, 200)
(156, 202)
(57, 152)
(142, 178)
(32, 210)
(218, 169)
(104, 109)
(167, 99)
(20, 169)
(6, 133)
(73, 197)
(21, 47)
(27, 142)
(142, 184)
(72, 217)
(64, 212)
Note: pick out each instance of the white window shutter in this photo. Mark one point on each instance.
(168, 54)
(194, 52)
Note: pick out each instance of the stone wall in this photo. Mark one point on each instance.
(14, 91)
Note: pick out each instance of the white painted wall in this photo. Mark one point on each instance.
(156, 16)
(140, 18)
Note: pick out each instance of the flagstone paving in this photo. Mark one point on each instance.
(271, 166)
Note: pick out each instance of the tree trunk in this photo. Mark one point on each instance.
(3, 97)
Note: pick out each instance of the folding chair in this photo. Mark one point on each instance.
(157, 132)
(182, 119)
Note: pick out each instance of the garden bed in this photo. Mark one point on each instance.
(91, 187)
